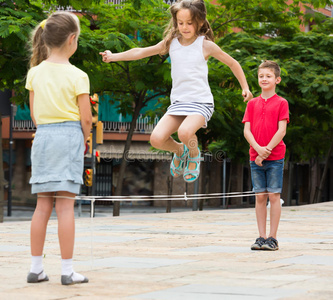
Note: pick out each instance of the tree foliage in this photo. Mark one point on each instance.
(307, 84)
(119, 30)
(270, 30)
(263, 17)
(16, 21)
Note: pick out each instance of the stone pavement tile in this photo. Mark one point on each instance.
(219, 249)
(136, 262)
(107, 239)
(308, 260)
(232, 223)
(328, 233)
(113, 227)
(211, 292)
(9, 248)
(189, 254)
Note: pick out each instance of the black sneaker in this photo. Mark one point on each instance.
(260, 241)
(271, 244)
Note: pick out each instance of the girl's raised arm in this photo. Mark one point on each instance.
(132, 54)
(211, 49)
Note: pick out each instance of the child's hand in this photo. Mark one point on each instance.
(106, 55)
(247, 95)
(264, 152)
(259, 161)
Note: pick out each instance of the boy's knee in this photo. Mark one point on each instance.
(274, 198)
(261, 198)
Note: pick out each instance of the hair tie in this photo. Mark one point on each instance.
(42, 24)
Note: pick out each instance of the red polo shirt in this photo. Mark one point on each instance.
(264, 116)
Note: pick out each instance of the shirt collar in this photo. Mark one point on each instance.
(267, 98)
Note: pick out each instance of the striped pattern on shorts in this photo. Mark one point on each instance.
(191, 108)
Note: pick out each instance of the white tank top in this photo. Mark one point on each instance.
(189, 72)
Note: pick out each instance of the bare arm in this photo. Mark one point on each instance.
(278, 136)
(132, 54)
(211, 49)
(31, 104)
(263, 152)
(85, 114)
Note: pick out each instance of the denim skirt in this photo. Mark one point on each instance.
(57, 158)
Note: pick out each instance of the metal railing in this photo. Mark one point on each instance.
(23, 125)
(170, 2)
(143, 125)
(113, 1)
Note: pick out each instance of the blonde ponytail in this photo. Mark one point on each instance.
(52, 33)
(39, 51)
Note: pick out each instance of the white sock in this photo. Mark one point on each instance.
(77, 277)
(36, 264)
(67, 269)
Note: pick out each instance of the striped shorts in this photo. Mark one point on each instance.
(191, 108)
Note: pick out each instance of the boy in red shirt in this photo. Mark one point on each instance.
(266, 119)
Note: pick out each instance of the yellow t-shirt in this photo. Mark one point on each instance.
(56, 87)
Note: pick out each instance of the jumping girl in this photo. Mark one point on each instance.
(189, 41)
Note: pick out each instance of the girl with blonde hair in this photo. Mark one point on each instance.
(60, 108)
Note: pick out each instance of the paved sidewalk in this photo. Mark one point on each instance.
(178, 256)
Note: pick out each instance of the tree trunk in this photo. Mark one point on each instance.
(119, 187)
(203, 183)
(236, 183)
(290, 181)
(169, 183)
(314, 169)
(323, 176)
(2, 200)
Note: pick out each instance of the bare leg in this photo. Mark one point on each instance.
(187, 134)
(261, 213)
(38, 228)
(39, 222)
(275, 214)
(161, 136)
(66, 224)
(66, 234)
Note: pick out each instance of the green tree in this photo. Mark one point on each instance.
(134, 83)
(140, 23)
(17, 19)
(114, 27)
(307, 76)
(268, 31)
(263, 17)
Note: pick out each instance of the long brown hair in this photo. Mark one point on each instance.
(52, 34)
(198, 12)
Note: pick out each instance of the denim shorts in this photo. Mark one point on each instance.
(57, 158)
(268, 177)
